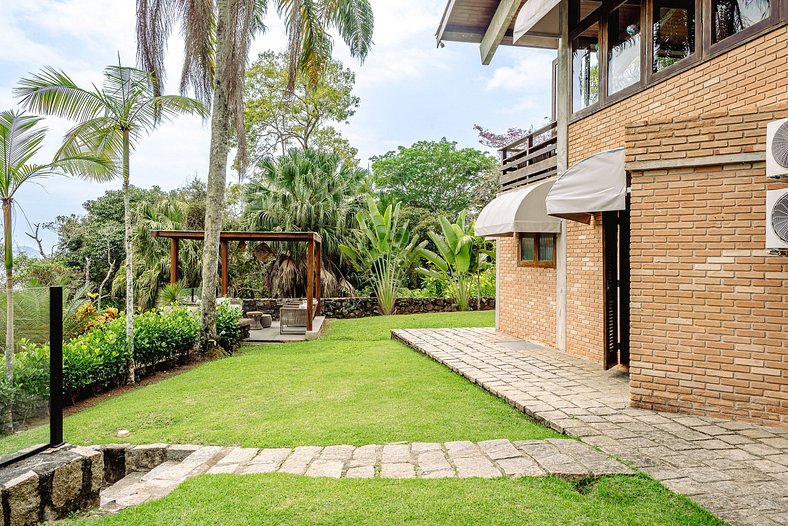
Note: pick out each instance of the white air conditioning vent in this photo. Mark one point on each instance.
(777, 221)
(777, 149)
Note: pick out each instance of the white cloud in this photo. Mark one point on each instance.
(532, 72)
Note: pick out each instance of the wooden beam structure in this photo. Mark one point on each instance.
(174, 253)
(314, 255)
(500, 23)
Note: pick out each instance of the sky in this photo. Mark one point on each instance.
(410, 90)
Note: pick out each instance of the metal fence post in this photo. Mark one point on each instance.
(55, 366)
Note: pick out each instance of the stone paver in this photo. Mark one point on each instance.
(736, 470)
(491, 458)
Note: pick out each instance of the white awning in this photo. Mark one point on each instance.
(520, 210)
(595, 184)
(538, 24)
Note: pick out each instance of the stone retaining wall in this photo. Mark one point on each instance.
(364, 307)
(52, 485)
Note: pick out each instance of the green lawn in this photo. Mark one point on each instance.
(229, 500)
(354, 386)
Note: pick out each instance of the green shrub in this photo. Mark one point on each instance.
(98, 359)
(227, 328)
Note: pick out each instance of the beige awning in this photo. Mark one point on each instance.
(520, 210)
(538, 24)
(595, 184)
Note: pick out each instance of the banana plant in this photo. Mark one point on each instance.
(460, 256)
(383, 250)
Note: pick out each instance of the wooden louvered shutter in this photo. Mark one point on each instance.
(610, 264)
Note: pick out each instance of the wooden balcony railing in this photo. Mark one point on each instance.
(529, 159)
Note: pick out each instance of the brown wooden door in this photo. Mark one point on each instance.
(615, 242)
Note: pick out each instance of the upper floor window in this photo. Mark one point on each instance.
(643, 41)
(585, 68)
(734, 16)
(674, 32)
(623, 56)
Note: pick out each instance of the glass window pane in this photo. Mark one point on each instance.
(585, 68)
(527, 252)
(624, 53)
(674, 31)
(734, 16)
(546, 247)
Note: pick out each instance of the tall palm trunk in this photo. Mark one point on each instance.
(131, 373)
(217, 176)
(7, 419)
(9, 291)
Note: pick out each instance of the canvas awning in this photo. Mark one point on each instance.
(520, 210)
(538, 24)
(595, 184)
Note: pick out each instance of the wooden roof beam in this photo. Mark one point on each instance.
(500, 23)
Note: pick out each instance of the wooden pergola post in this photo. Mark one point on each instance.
(319, 265)
(174, 249)
(225, 272)
(310, 276)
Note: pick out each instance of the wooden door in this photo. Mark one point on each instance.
(615, 242)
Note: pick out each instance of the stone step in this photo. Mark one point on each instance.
(564, 458)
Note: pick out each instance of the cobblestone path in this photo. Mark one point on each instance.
(736, 470)
(564, 458)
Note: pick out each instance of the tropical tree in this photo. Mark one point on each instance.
(460, 256)
(21, 138)
(307, 191)
(433, 176)
(278, 119)
(217, 35)
(111, 120)
(382, 250)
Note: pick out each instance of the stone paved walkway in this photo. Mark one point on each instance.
(564, 458)
(736, 470)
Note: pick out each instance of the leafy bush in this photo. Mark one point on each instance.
(227, 328)
(98, 359)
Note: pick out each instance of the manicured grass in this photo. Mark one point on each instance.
(355, 386)
(229, 500)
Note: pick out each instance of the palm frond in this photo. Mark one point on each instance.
(52, 92)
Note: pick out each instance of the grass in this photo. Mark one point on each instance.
(355, 386)
(229, 500)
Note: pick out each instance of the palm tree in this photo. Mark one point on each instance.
(382, 250)
(111, 120)
(307, 191)
(21, 139)
(217, 34)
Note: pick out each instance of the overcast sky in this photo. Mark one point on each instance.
(410, 90)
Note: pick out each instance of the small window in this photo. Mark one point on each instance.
(734, 16)
(623, 55)
(674, 32)
(537, 250)
(585, 68)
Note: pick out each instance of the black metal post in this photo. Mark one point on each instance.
(55, 366)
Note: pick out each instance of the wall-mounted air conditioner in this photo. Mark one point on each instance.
(777, 221)
(777, 150)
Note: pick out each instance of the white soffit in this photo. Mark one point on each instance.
(520, 210)
(538, 23)
(595, 184)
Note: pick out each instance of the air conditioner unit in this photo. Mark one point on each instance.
(777, 149)
(777, 221)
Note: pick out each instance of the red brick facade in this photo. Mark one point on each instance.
(709, 308)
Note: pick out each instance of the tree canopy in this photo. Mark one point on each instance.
(434, 176)
(277, 120)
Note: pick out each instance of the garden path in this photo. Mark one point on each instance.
(564, 458)
(736, 470)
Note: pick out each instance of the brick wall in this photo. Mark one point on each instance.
(709, 307)
(755, 74)
(526, 294)
(584, 286)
